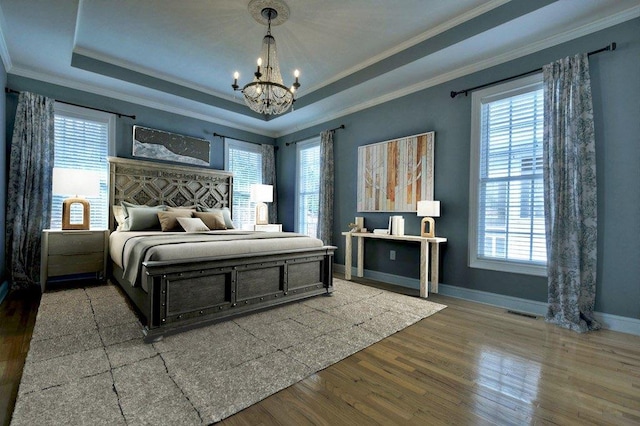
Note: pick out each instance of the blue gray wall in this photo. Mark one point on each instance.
(148, 117)
(616, 95)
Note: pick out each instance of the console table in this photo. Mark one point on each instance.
(425, 242)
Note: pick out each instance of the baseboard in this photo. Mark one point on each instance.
(4, 290)
(608, 321)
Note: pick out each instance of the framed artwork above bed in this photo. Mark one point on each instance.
(394, 175)
(161, 145)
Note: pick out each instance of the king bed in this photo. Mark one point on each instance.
(180, 280)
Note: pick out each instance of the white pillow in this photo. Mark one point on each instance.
(192, 224)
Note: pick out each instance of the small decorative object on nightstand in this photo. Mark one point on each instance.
(73, 252)
(271, 227)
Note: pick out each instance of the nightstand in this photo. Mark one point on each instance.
(271, 227)
(73, 252)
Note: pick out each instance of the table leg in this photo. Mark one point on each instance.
(435, 266)
(360, 257)
(424, 268)
(347, 257)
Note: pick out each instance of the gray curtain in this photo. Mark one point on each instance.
(325, 203)
(29, 189)
(570, 193)
(269, 178)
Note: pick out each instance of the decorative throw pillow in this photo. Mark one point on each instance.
(226, 214)
(213, 220)
(140, 218)
(171, 209)
(168, 219)
(118, 214)
(192, 224)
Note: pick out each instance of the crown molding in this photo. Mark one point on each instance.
(592, 27)
(160, 76)
(138, 100)
(4, 50)
(460, 19)
(598, 25)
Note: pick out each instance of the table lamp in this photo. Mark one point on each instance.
(262, 194)
(78, 183)
(428, 209)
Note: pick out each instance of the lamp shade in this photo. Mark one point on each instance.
(429, 208)
(262, 193)
(76, 182)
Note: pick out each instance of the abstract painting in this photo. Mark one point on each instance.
(159, 145)
(394, 175)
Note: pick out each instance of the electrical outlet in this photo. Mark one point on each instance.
(392, 255)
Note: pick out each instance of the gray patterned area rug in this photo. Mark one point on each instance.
(87, 363)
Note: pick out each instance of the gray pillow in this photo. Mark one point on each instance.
(226, 214)
(140, 218)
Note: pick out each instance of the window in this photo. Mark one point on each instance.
(308, 186)
(506, 192)
(244, 159)
(83, 139)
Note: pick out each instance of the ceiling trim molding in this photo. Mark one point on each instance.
(160, 76)
(603, 23)
(474, 13)
(592, 27)
(138, 100)
(4, 49)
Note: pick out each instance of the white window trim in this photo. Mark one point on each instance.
(90, 114)
(511, 88)
(234, 143)
(244, 146)
(314, 141)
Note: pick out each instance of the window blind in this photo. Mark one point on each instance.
(245, 161)
(308, 187)
(511, 205)
(82, 143)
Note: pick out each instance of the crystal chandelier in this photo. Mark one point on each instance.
(267, 94)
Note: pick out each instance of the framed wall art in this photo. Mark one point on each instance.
(394, 175)
(160, 145)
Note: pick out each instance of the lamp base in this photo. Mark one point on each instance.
(431, 232)
(262, 214)
(66, 214)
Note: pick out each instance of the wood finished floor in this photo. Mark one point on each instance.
(468, 364)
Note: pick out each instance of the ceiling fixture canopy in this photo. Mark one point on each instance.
(267, 94)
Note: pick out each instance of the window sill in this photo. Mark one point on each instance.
(511, 267)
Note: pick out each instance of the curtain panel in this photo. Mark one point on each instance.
(29, 188)
(269, 178)
(325, 199)
(570, 194)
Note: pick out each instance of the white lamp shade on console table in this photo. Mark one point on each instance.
(77, 183)
(429, 210)
(261, 194)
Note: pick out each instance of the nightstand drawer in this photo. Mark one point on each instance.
(61, 243)
(78, 264)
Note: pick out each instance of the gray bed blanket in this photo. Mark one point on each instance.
(138, 249)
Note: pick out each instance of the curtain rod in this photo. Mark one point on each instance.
(133, 117)
(611, 46)
(300, 140)
(218, 135)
